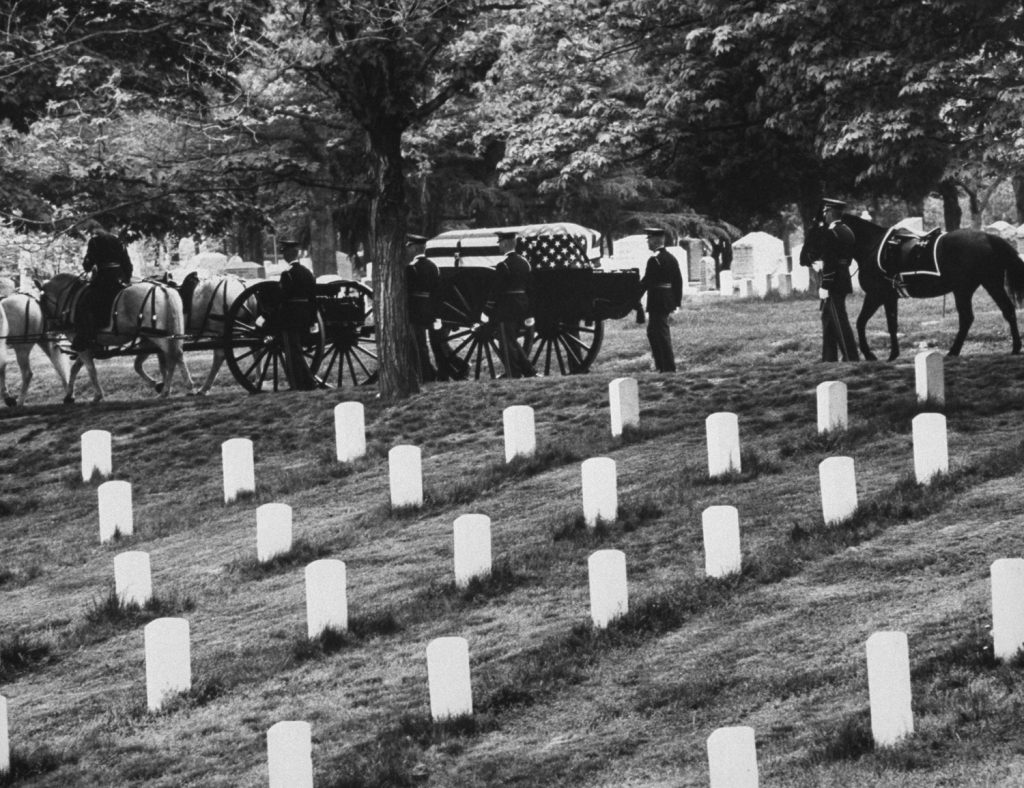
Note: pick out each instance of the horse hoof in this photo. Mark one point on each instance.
(158, 387)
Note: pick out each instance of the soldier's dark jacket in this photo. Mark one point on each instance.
(663, 283)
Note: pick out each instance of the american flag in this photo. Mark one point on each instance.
(555, 251)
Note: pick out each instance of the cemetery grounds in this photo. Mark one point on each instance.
(779, 648)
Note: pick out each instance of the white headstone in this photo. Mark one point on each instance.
(5, 738)
(801, 274)
(785, 286)
(600, 491)
(239, 468)
(624, 404)
(744, 287)
(931, 454)
(723, 435)
(732, 758)
(832, 413)
(96, 454)
(757, 256)
(273, 531)
(707, 273)
(520, 435)
(349, 431)
(405, 475)
(838, 489)
(168, 660)
(472, 548)
(725, 282)
(133, 582)
(326, 597)
(290, 755)
(722, 556)
(451, 691)
(889, 687)
(928, 377)
(1007, 607)
(609, 594)
(115, 509)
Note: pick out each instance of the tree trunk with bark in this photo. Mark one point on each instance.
(952, 213)
(1018, 196)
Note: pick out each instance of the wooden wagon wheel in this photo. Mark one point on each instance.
(351, 335)
(571, 345)
(254, 345)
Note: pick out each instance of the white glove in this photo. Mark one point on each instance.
(817, 266)
(437, 324)
(484, 318)
(529, 322)
(822, 293)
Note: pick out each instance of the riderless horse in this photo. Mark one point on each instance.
(147, 313)
(894, 262)
(26, 328)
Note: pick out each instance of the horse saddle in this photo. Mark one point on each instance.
(903, 253)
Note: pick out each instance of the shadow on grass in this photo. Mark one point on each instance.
(301, 553)
(331, 640)
(35, 763)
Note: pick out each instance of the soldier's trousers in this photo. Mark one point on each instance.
(837, 339)
(660, 337)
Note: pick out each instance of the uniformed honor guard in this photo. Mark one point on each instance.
(837, 339)
(508, 305)
(297, 315)
(107, 260)
(663, 283)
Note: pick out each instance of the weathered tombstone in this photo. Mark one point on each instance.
(889, 687)
(721, 526)
(609, 594)
(451, 691)
(96, 454)
(1007, 607)
(133, 582)
(290, 754)
(5, 738)
(349, 431)
(756, 257)
(838, 489)
(273, 531)
(115, 509)
(472, 534)
(239, 468)
(785, 284)
(405, 475)
(832, 411)
(520, 434)
(725, 282)
(801, 274)
(326, 596)
(624, 404)
(600, 491)
(707, 273)
(744, 287)
(723, 436)
(732, 758)
(168, 660)
(928, 377)
(931, 454)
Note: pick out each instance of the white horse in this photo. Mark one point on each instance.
(210, 301)
(147, 312)
(24, 327)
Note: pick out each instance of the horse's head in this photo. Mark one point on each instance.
(816, 240)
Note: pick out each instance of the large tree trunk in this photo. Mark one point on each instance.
(322, 237)
(388, 217)
(249, 239)
(952, 213)
(1018, 196)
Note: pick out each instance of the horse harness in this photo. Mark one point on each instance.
(64, 309)
(904, 253)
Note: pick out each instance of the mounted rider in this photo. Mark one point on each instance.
(110, 269)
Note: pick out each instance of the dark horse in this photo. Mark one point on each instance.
(962, 261)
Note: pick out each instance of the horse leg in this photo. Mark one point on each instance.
(141, 371)
(965, 311)
(1006, 307)
(218, 360)
(867, 310)
(11, 401)
(891, 304)
(22, 353)
(90, 367)
(57, 360)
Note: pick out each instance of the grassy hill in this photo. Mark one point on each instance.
(779, 648)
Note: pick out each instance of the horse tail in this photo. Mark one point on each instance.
(1014, 266)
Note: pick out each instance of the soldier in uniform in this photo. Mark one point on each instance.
(837, 337)
(296, 315)
(110, 267)
(663, 283)
(422, 279)
(508, 304)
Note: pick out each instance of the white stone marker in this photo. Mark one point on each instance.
(725, 283)
(326, 597)
(832, 414)
(290, 755)
(133, 582)
(838, 489)
(785, 285)
(723, 431)
(5, 738)
(928, 377)
(1007, 607)
(239, 468)
(96, 454)
(609, 593)
(273, 531)
(721, 526)
(168, 660)
(732, 758)
(115, 509)
(624, 404)
(349, 431)
(520, 433)
(600, 491)
(405, 474)
(746, 288)
(889, 687)
(931, 454)
(451, 693)
(472, 548)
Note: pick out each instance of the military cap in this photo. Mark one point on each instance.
(415, 240)
(287, 242)
(654, 231)
(829, 202)
(506, 234)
